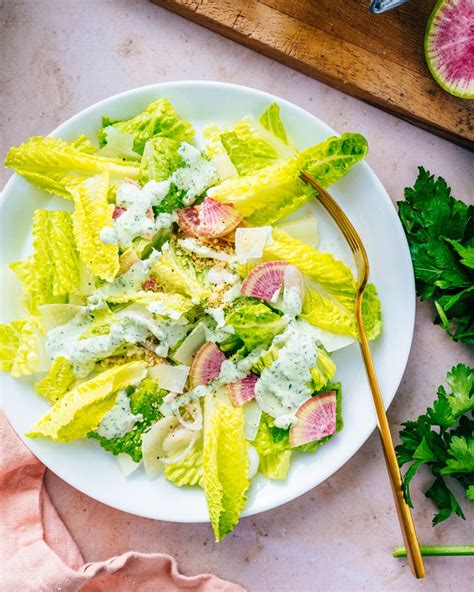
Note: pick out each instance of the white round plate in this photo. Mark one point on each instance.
(83, 464)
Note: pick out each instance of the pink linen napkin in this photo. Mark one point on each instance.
(37, 553)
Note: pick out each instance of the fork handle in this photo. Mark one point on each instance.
(405, 518)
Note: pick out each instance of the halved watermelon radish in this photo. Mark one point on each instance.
(449, 46)
(211, 219)
(316, 419)
(243, 391)
(264, 280)
(206, 364)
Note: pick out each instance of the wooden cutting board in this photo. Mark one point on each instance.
(376, 58)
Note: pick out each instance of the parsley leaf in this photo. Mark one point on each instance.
(440, 233)
(443, 440)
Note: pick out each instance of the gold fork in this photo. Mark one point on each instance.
(362, 262)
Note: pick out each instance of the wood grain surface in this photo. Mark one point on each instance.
(378, 59)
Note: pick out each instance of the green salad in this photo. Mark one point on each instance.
(178, 311)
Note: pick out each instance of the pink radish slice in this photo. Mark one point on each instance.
(316, 419)
(211, 219)
(243, 391)
(118, 211)
(264, 280)
(206, 364)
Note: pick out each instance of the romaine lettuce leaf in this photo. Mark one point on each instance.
(10, 336)
(91, 214)
(145, 401)
(160, 159)
(55, 165)
(162, 304)
(175, 271)
(158, 119)
(273, 447)
(21, 348)
(118, 145)
(254, 323)
(58, 380)
(253, 145)
(331, 288)
(187, 471)
(225, 464)
(271, 121)
(52, 271)
(80, 411)
(276, 191)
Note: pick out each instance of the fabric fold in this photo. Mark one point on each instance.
(38, 554)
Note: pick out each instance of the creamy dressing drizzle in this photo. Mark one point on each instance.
(231, 371)
(283, 386)
(138, 218)
(120, 419)
(127, 283)
(196, 176)
(130, 328)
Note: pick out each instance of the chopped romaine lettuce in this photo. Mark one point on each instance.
(145, 401)
(188, 471)
(158, 119)
(10, 337)
(160, 159)
(276, 191)
(52, 271)
(225, 464)
(175, 271)
(58, 380)
(330, 297)
(80, 411)
(254, 323)
(55, 165)
(21, 347)
(92, 213)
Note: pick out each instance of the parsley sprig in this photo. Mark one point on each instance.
(440, 233)
(443, 439)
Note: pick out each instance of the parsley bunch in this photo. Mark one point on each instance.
(443, 440)
(440, 233)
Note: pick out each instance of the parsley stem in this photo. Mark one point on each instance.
(442, 550)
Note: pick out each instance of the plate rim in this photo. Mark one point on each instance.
(296, 492)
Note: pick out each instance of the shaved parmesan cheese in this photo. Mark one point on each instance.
(252, 413)
(126, 464)
(152, 444)
(170, 378)
(331, 341)
(303, 229)
(187, 350)
(249, 242)
(224, 166)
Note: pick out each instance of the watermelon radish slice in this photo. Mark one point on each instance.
(206, 364)
(449, 46)
(211, 219)
(264, 280)
(118, 211)
(243, 391)
(316, 419)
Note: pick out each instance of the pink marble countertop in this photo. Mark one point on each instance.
(58, 57)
